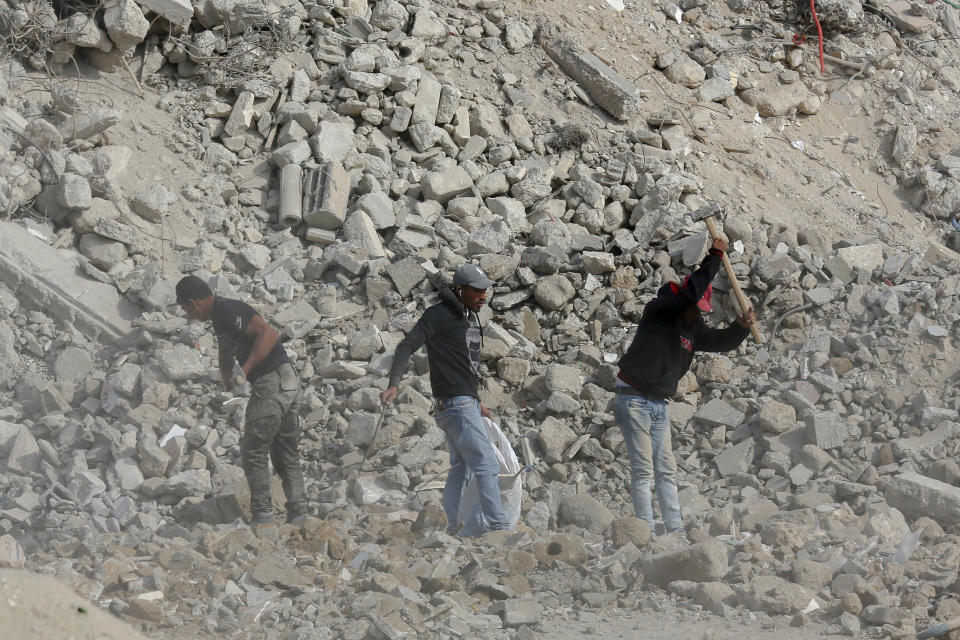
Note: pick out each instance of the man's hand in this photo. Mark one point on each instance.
(747, 319)
(719, 244)
(388, 395)
(485, 412)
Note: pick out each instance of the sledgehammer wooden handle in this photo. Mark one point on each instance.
(745, 305)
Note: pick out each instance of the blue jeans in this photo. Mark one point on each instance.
(646, 432)
(470, 447)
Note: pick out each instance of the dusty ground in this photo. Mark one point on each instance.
(34, 607)
(661, 626)
(831, 184)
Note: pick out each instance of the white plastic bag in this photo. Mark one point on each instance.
(511, 489)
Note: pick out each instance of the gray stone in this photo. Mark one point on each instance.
(586, 512)
(597, 262)
(517, 34)
(446, 185)
(776, 417)
(488, 238)
(24, 455)
(241, 116)
(181, 362)
(423, 450)
(735, 459)
(128, 473)
(332, 141)
(360, 229)
(389, 15)
(917, 496)
(563, 378)
(406, 275)
(553, 292)
(428, 100)
(71, 364)
(193, 482)
(518, 612)
(555, 437)
(125, 23)
(608, 88)
(152, 205)
(102, 252)
(905, 144)
(774, 595)
(379, 207)
(717, 412)
(702, 562)
(73, 192)
(828, 430)
(715, 90)
(294, 152)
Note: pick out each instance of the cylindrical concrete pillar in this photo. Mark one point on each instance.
(291, 198)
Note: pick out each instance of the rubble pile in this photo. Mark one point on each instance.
(353, 156)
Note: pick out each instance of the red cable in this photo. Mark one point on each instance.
(816, 20)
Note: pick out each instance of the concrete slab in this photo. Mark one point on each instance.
(51, 281)
(609, 89)
(917, 496)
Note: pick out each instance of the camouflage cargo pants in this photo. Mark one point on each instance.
(272, 429)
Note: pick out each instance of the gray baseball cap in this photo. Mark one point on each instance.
(470, 275)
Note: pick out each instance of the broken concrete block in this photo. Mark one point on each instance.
(776, 417)
(608, 88)
(125, 23)
(152, 205)
(42, 278)
(406, 274)
(735, 459)
(428, 101)
(446, 185)
(359, 228)
(552, 292)
(586, 512)
(828, 430)
(73, 192)
(326, 191)
(104, 253)
(917, 496)
(702, 562)
(177, 12)
(517, 612)
(241, 116)
(24, 456)
(717, 412)
(555, 437)
(181, 362)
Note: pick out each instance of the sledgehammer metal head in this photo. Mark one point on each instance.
(712, 210)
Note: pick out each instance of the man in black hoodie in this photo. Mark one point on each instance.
(451, 330)
(670, 331)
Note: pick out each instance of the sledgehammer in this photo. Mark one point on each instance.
(707, 214)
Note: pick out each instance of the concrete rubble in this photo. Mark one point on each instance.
(362, 155)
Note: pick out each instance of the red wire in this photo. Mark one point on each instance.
(816, 20)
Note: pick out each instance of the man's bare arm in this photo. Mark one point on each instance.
(264, 337)
(225, 353)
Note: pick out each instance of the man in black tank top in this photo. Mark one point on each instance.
(272, 425)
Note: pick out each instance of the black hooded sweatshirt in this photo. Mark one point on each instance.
(453, 337)
(663, 347)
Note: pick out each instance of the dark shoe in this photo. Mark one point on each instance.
(297, 520)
